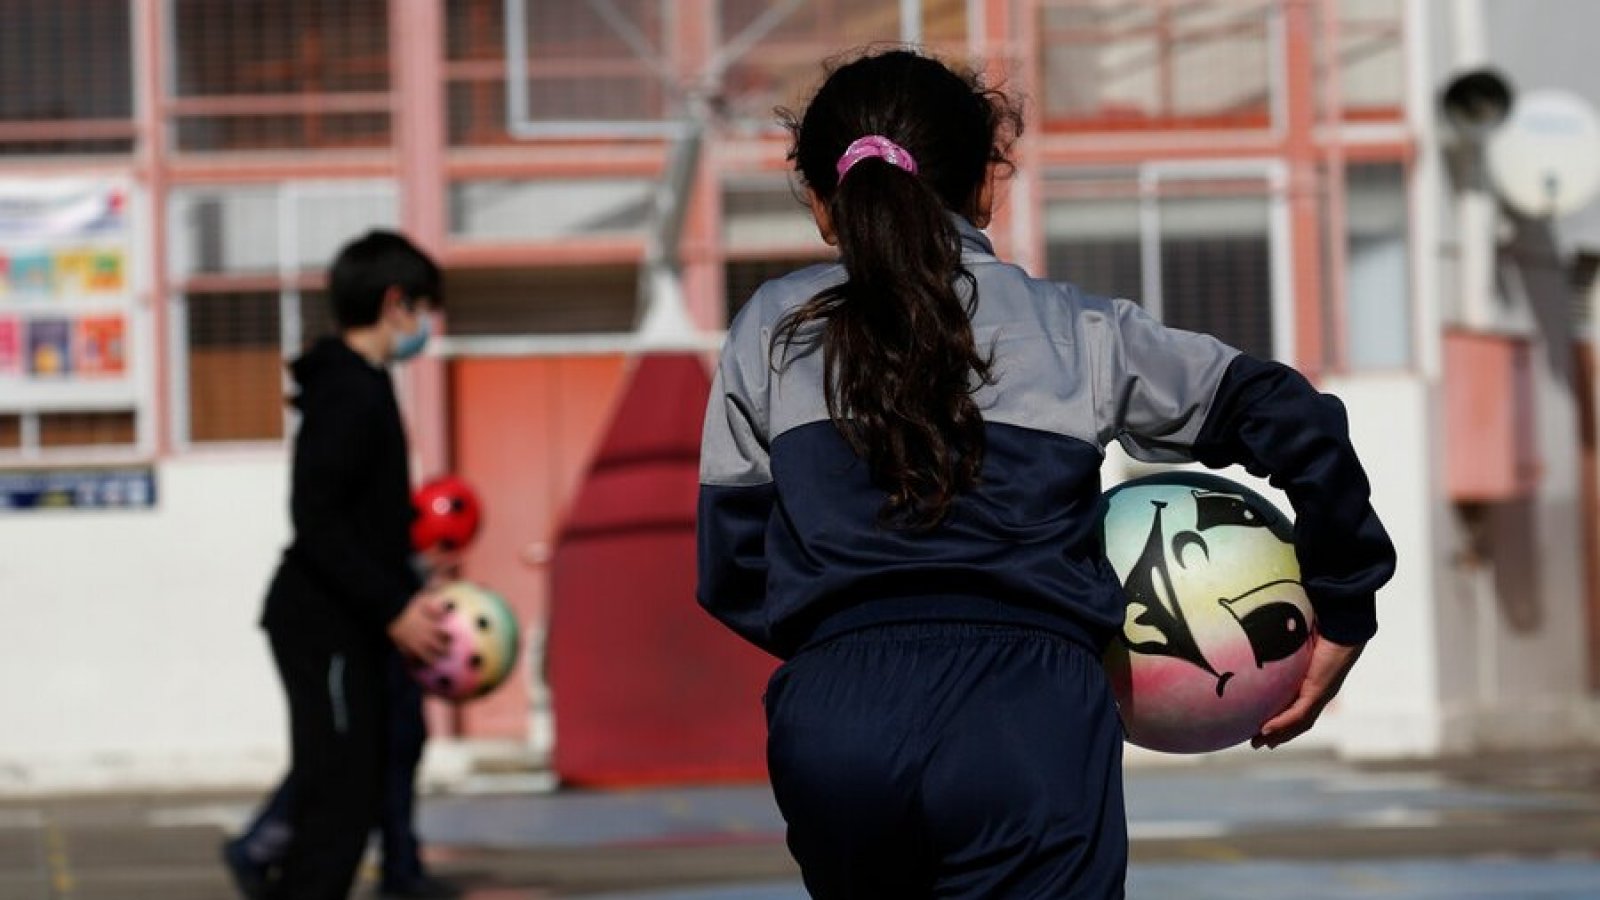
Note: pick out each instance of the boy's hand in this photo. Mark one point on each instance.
(1330, 663)
(417, 630)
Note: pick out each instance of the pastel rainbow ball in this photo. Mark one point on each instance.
(1218, 632)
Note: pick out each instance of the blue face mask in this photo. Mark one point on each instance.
(407, 346)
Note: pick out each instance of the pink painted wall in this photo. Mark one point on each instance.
(524, 432)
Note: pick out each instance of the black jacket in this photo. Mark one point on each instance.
(347, 572)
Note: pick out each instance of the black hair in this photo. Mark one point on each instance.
(901, 365)
(368, 266)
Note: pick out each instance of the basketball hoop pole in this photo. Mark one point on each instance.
(666, 324)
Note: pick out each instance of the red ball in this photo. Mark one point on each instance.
(448, 515)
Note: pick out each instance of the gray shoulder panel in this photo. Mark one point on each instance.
(1067, 363)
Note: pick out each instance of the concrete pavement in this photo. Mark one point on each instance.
(1241, 827)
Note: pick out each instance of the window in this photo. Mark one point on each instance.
(1094, 241)
(85, 429)
(1377, 276)
(66, 77)
(781, 60)
(235, 367)
(1196, 252)
(591, 67)
(767, 215)
(743, 276)
(249, 263)
(258, 75)
(767, 232)
(1216, 269)
(1371, 60)
(548, 210)
(475, 68)
(568, 300)
(1119, 66)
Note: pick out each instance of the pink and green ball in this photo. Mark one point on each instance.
(483, 644)
(1246, 615)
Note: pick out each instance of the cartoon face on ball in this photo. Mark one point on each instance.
(1218, 627)
(483, 644)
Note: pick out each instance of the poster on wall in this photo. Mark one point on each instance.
(31, 274)
(49, 347)
(97, 348)
(64, 248)
(69, 315)
(10, 346)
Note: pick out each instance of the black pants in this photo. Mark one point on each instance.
(336, 723)
(267, 838)
(950, 761)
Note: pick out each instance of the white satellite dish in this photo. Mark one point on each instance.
(1545, 159)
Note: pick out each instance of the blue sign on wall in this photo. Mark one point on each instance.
(125, 488)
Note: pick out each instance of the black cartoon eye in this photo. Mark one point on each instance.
(1276, 629)
(1216, 510)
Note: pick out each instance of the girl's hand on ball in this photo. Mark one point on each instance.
(418, 631)
(1330, 663)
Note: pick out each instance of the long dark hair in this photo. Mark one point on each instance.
(899, 357)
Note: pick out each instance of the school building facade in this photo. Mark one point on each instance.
(175, 173)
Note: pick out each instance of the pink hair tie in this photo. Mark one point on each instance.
(876, 145)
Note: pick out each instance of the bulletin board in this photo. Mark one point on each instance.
(72, 348)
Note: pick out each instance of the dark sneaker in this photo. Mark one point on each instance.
(422, 887)
(249, 877)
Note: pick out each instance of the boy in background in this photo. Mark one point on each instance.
(346, 597)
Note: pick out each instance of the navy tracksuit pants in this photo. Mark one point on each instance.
(950, 760)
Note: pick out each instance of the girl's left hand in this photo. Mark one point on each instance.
(1330, 663)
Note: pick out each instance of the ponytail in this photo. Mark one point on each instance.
(899, 357)
(900, 364)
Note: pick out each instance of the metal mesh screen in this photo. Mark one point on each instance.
(59, 430)
(316, 317)
(548, 209)
(253, 74)
(765, 214)
(66, 77)
(475, 51)
(784, 44)
(1216, 269)
(596, 62)
(1197, 254)
(1370, 59)
(250, 255)
(543, 301)
(235, 366)
(743, 276)
(1109, 64)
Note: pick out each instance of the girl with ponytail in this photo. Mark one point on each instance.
(900, 498)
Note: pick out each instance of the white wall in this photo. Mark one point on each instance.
(1389, 706)
(132, 654)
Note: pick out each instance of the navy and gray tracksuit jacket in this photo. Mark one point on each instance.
(788, 515)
